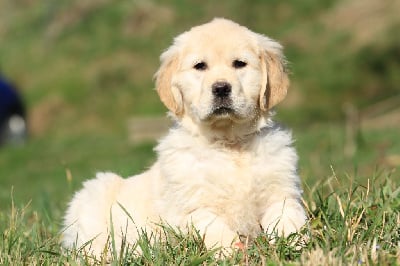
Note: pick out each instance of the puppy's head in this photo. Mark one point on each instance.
(221, 71)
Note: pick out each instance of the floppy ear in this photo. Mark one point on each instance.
(169, 94)
(275, 81)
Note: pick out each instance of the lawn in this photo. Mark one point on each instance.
(353, 203)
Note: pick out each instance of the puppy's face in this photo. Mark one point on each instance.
(221, 71)
(219, 77)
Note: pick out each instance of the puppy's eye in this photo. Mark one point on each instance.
(239, 64)
(200, 66)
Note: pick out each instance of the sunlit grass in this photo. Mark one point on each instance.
(356, 224)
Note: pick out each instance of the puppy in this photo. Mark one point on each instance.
(225, 167)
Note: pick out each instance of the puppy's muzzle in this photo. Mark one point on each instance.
(222, 91)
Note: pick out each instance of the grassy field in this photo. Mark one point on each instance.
(353, 202)
(354, 225)
(351, 225)
(85, 69)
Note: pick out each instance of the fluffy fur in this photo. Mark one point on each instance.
(225, 166)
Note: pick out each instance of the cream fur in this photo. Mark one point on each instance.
(228, 174)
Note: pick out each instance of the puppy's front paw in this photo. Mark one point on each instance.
(284, 218)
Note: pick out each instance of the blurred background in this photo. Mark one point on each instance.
(83, 70)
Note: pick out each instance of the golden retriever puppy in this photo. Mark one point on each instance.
(225, 167)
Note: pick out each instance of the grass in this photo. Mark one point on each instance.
(353, 203)
(351, 225)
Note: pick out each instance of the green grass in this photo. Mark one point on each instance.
(353, 203)
(357, 224)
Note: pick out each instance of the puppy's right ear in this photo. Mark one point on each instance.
(168, 93)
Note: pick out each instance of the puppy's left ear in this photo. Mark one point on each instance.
(169, 94)
(275, 81)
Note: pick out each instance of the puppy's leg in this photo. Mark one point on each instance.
(283, 217)
(88, 215)
(216, 232)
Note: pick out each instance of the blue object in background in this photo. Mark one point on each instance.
(13, 127)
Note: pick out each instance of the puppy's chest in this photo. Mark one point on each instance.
(225, 174)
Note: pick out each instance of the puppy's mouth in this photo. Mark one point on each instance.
(223, 110)
(222, 107)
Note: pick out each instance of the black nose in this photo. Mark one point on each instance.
(221, 89)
